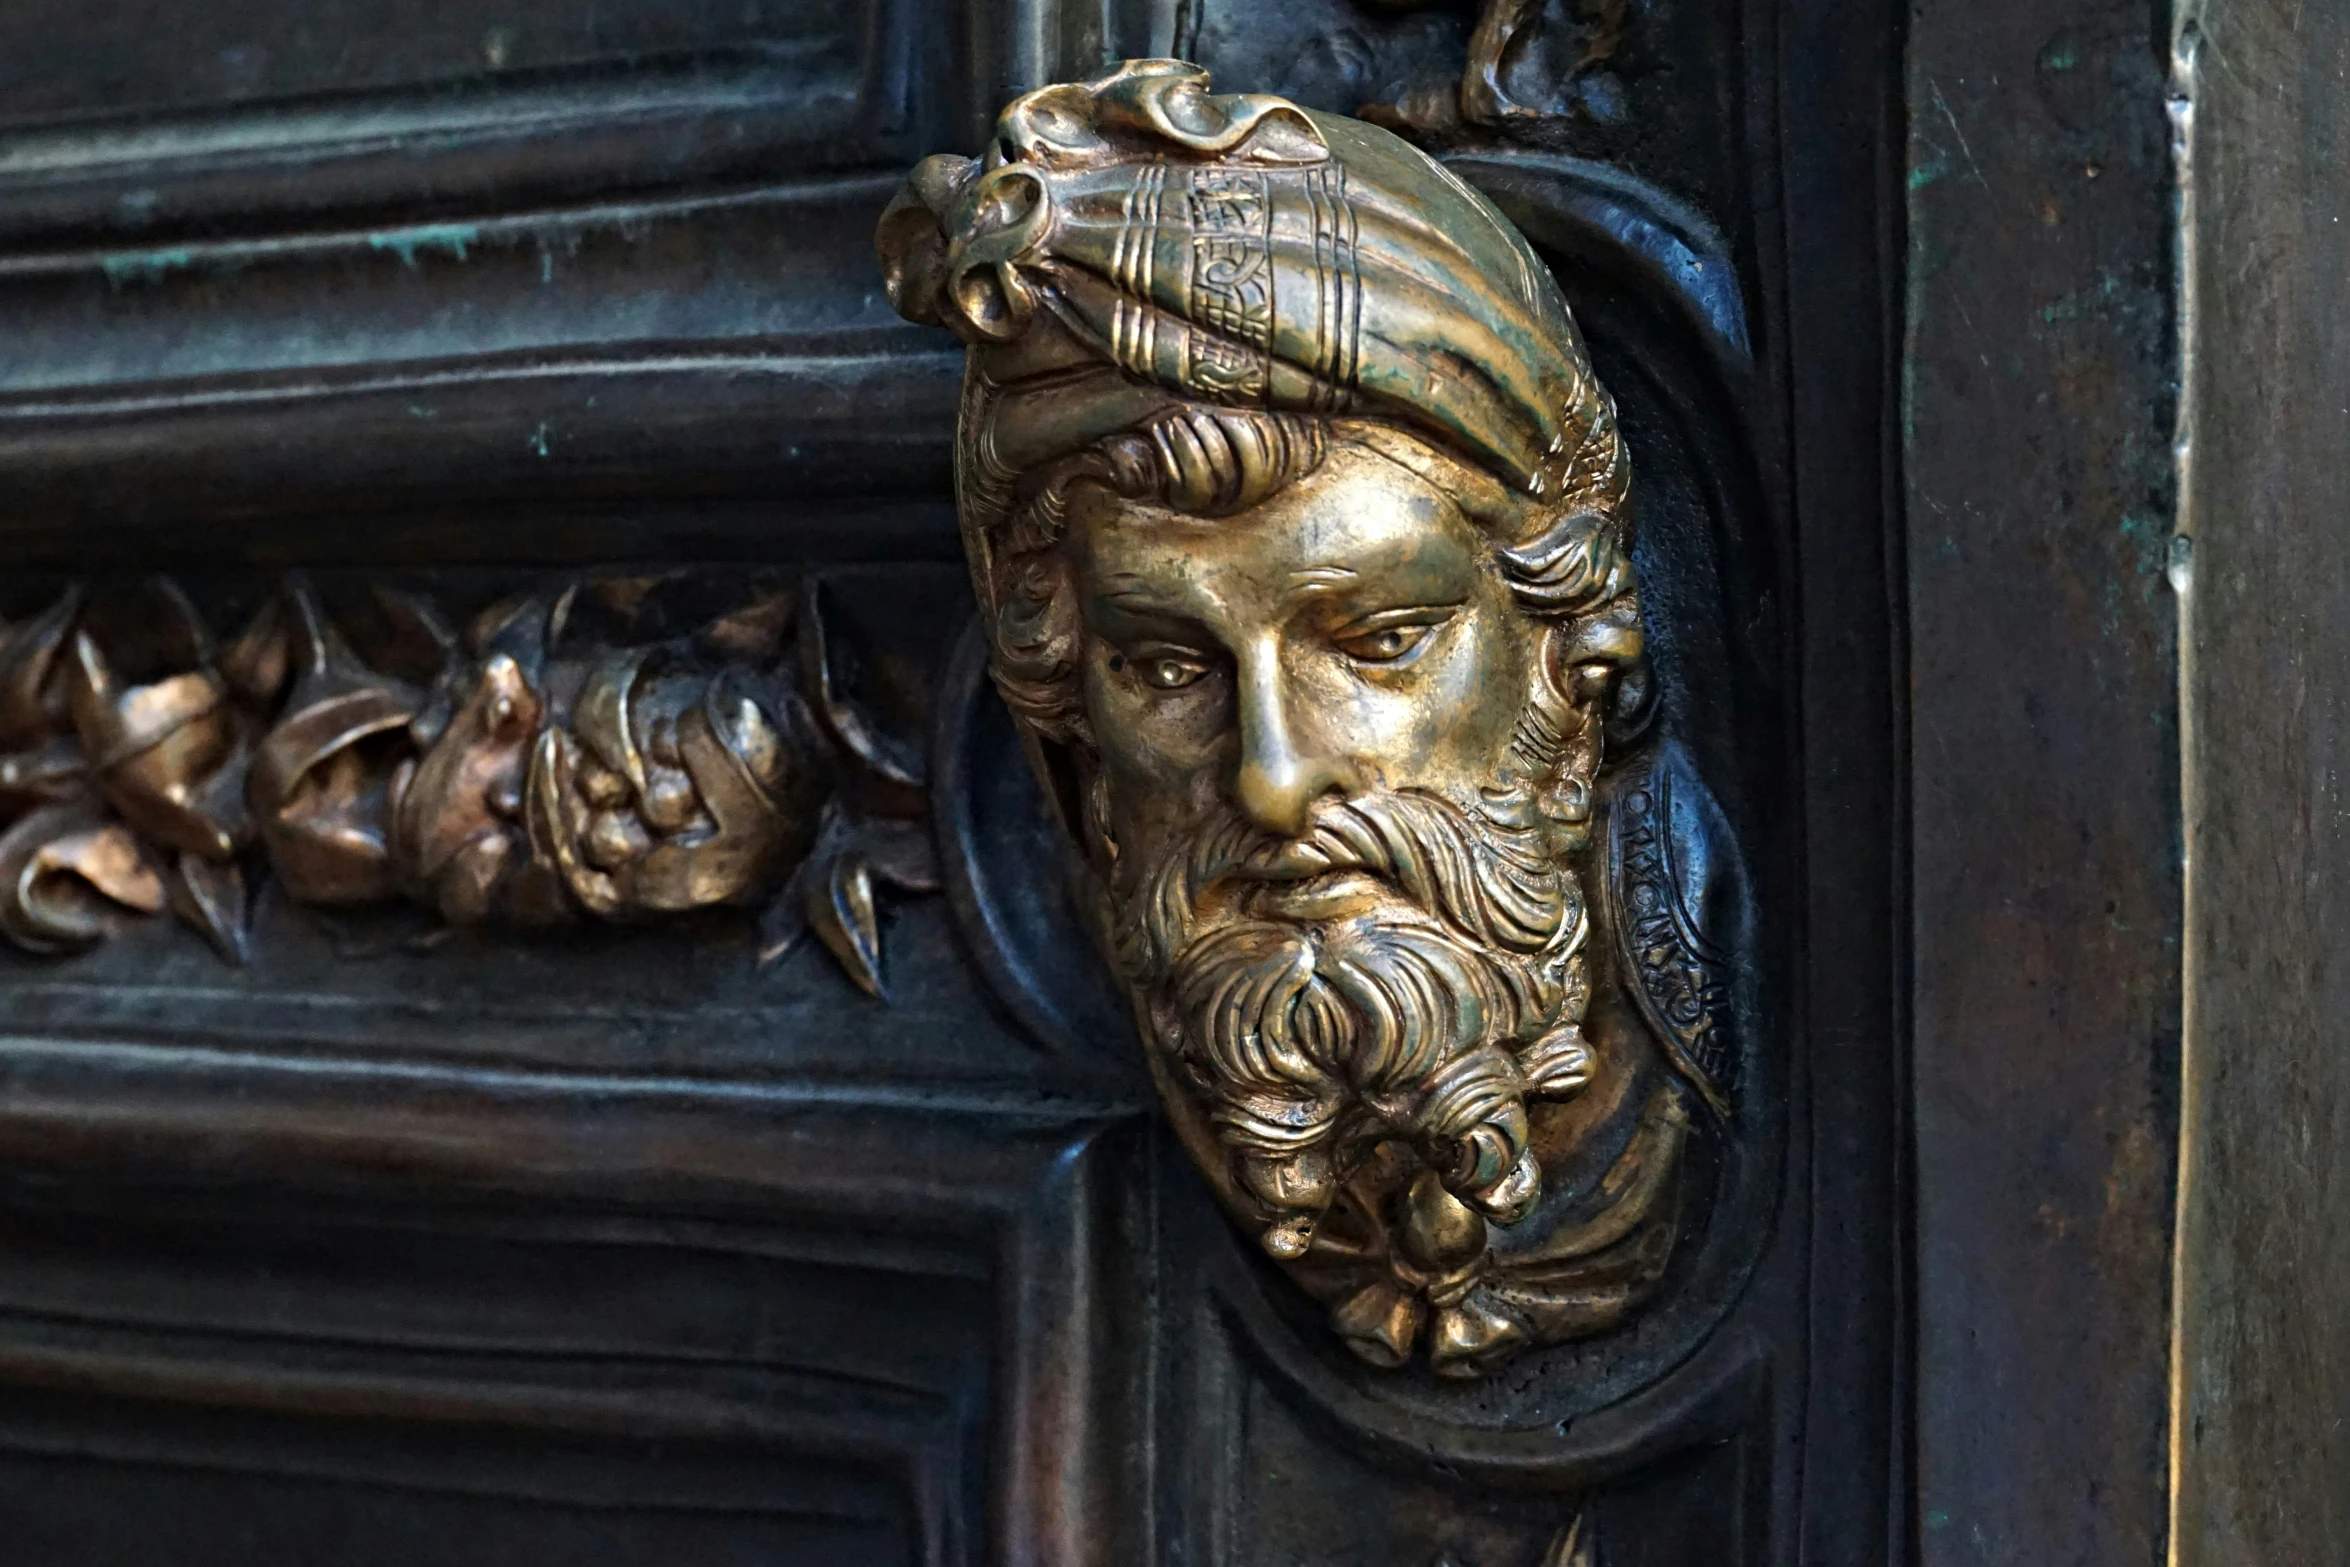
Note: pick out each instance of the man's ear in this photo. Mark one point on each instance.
(1603, 664)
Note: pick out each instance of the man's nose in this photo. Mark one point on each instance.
(1283, 769)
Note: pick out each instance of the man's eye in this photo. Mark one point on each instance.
(1384, 645)
(1170, 674)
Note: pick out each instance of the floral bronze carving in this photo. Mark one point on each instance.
(1299, 524)
(523, 771)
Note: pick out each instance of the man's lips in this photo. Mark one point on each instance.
(1306, 880)
(1324, 895)
(1292, 862)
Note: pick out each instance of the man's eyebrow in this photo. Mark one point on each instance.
(1127, 589)
(1315, 578)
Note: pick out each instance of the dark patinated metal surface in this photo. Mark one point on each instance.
(2042, 773)
(408, 1242)
(2264, 1364)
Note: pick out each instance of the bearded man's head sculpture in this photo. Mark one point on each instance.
(1298, 522)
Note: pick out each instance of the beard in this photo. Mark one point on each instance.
(1430, 1017)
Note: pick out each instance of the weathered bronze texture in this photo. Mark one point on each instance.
(2041, 674)
(531, 772)
(2259, 1451)
(1300, 522)
(1481, 99)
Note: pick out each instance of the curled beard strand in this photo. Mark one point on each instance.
(1262, 1034)
(1418, 1004)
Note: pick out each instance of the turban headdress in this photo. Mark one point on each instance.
(1130, 245)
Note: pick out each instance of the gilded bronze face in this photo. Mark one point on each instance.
(1300, 526)
(1302, 712)
(1350, 633)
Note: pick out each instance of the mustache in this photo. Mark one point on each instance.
(1491, 879)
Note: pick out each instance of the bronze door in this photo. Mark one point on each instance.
(546, 1015)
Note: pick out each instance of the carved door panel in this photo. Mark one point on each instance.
(552, 1014)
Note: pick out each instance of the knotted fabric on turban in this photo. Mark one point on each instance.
(1136, 242)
